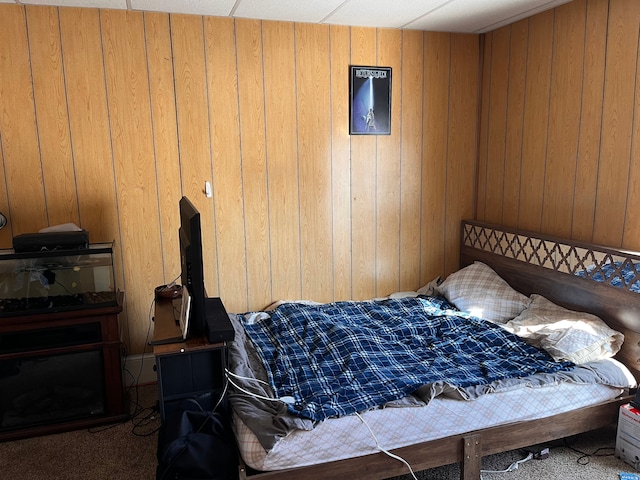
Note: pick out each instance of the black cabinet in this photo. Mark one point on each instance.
(60, 371)
(192, 369)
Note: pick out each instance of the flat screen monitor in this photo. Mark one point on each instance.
(191, 265)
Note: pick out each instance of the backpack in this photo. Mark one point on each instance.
(196, 444)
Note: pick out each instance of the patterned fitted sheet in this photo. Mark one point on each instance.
(347, 437)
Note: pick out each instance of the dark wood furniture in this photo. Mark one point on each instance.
(531, 263)
(190, 369)
(60, 371)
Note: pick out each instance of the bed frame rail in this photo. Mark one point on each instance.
(466, 449)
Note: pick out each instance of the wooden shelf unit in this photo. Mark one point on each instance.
(28, 342)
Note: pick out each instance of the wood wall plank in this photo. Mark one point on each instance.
(227, 162)
(631, 229)
(132, 141)
(515, 121)
(617, 121)
(483, 134)
(388, 172)
(91, 139)
(312, 53)
(411, 158)
(536, 120)
(20, 143)
(282, 158)
(462, 143)
(595, 42)
(165, 138)
(53, 118)
(89, 123)
(340, 51)
(363, 182)
(497, 111)
(254, 168)
(187, 40)
(437, 63)
(564, 119)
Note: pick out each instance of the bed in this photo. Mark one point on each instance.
(577, 391)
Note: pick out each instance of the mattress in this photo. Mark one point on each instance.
(347, 437)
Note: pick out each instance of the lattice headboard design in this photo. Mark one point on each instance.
(614, 267)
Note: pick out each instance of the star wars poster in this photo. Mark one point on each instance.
(370, 101)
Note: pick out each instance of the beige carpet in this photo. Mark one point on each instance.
(127, 451)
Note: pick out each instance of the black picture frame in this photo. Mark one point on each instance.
(369, 100)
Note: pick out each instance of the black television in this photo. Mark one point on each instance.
(191, 265)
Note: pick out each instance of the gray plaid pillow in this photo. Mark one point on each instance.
(480, 291)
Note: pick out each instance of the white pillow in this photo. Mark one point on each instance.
(480, 291)
(566, 335)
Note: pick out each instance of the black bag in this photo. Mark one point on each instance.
(196, 444)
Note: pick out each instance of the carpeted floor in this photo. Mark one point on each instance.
(127, 451)
(124, 451)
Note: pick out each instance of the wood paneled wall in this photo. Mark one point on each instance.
(108, 117)
(560, 125)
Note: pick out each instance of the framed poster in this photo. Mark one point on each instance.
(369, 100)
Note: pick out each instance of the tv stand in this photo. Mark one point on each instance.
(60, 371)
(186, 369)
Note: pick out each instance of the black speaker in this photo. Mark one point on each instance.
(52, 241)
(218, 325)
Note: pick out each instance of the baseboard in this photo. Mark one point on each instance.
(139, 369)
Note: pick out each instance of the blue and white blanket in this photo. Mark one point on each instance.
(345, 357)
(617, 274)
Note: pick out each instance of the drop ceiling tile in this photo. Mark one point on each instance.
(480, 16)
(393, 14)
(116, 4)
(310, 11)
(471, 16)
(220, 8)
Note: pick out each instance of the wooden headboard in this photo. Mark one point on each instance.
(546, 265)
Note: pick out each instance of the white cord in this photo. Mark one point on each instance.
(386, 452)
(510, 468)
(247, 392)
(222, 395)
(229, 372)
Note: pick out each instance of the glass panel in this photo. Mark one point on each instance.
(50, 389)
(44, 282)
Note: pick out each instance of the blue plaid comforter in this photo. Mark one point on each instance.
(345, 357)
(616, 274)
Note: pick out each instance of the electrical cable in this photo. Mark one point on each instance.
(251, 394)
(585, 457)
(386, 452)
(514, 466)
(142, 416)
(241, 377)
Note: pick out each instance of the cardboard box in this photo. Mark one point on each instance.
(628, 436)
